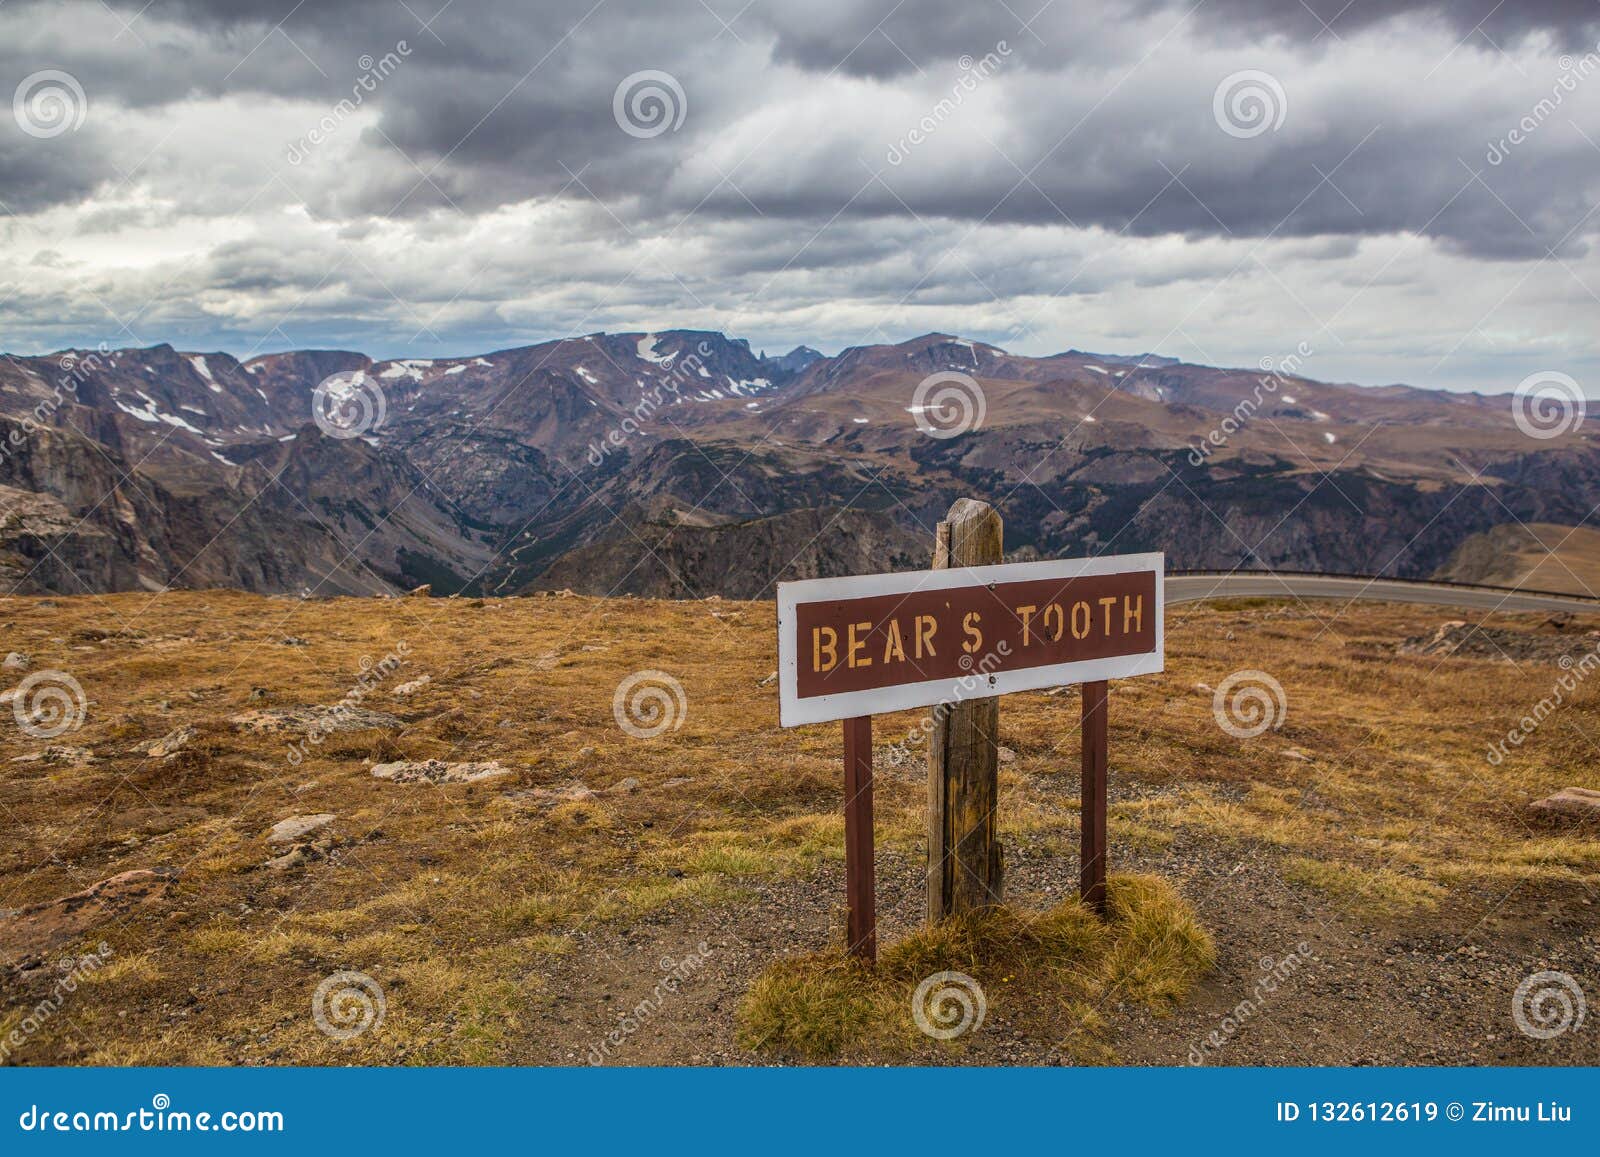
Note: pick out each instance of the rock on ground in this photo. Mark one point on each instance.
(29, 932)
(171, 743)
(1465, 640)
(438, 771)
(289, 830)
(326, 720)
(58, 753)
(1571, 801)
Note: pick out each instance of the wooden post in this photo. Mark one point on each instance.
(860, 888)
(966, 866)
(1092, 855)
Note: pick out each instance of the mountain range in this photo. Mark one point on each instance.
(683, 463)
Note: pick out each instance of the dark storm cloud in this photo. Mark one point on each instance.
(37, 174)
(1499, 21)
(500, 101)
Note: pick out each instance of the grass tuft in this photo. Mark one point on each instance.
(1375, 892)
(1151, 950)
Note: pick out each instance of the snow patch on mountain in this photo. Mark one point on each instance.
(150, 412)
(200, 367)
(646, 350)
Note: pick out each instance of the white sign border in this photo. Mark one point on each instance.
(794, 711)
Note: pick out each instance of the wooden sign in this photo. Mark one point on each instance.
(852, 647)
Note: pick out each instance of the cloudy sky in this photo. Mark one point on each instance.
(1407, 189)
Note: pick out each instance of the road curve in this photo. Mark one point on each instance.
(1189, 588)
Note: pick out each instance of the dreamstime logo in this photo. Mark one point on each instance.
(684, 372)
(373, 72)
(327, 722)
(676, 974)
(1574, 671)
(948, 404)
(1572, 72)
(1277, 374)
(649, 103)
(1548, 1004)
(1547, 404)
(1274, 974)
(1249, 103)
(73, 971)
(75, 371)
(49, 103)
(648, 703)
(948, 1004)
(348, 404)
(49, 703)
(1249, 702)
(348, 1004)
(973, 73)
(976, 679)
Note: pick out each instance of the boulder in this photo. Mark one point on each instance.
(1580, 802)
(294, 828)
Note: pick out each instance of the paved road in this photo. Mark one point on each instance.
(1193, 588)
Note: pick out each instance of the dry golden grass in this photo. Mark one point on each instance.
(1546, 557)
(456, 898)
(1150, 950)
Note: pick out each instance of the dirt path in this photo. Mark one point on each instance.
(1431, 990)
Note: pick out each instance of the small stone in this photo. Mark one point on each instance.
(627, 786)
(58, 754)
(585, 752)
(1297, 754)
(422, 592)
(258, 694)
(575, 792)
(296, 857)
(293, 641)
(438, 771)
(321, 720)
(1005, 754)
(15, 661)
(171, 743)
(412, 687)
(297, 827)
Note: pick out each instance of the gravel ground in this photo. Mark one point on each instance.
(1435, 989)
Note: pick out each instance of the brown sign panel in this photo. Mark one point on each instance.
(859, 646)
